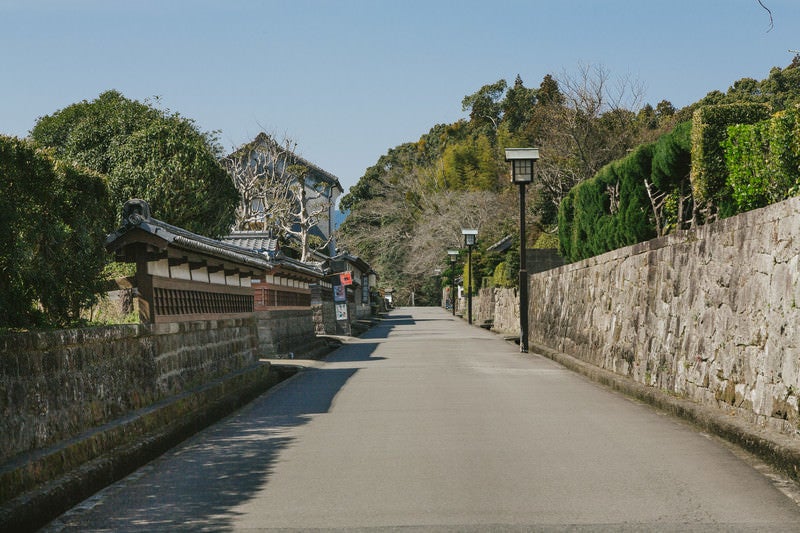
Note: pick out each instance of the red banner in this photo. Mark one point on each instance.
(345, 278)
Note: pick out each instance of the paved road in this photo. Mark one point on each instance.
(426, 423)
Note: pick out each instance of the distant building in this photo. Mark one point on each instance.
(263, 156)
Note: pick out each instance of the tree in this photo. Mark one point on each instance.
(582, 122)
(485, 107)
(279, 193)
(665, 111)
(146, 153)
(260, 174)
(306, 205)
(518, 105)
(54, 217)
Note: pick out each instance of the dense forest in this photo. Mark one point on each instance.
(613, 170)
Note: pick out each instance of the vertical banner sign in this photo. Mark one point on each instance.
(339, 293)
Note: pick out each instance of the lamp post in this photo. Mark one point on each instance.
(470, 239)
(522, 160)
(453, 258)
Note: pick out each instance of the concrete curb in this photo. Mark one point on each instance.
(148, 433)
(779, 451)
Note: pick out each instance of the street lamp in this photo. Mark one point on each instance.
(453, 258)
(470, 239)
(522, 160)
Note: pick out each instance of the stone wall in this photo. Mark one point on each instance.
(324, 316)
(284, 333)
(483, 306)
(506, 311)
(498, 307)
(56, 384)
(709, 314)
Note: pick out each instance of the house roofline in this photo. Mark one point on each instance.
(263, 137)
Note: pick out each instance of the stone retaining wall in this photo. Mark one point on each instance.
(56, 384)
(483, 306)
(498, 307)
(709, 314)
(506, 311)
(282, 333)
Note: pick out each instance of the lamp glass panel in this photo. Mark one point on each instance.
(523, 170)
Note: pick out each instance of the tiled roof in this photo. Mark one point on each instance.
(502, 245)
(136, 215)
(256, 241)
(264, 243)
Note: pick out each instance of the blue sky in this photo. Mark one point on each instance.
(350, 79)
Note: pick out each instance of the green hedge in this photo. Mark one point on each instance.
(610, 210)
(728, 156)
(763, 160)
(710, 188)
(53, 220)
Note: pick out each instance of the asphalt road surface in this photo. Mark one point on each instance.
(428, 424)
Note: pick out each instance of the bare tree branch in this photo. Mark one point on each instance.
(276, 194)
(771, 22)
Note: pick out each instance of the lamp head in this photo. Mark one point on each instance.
(470, 236)
(522, 160)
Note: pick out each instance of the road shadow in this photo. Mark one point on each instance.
(354, 352)
(388, 322)
(198, 485)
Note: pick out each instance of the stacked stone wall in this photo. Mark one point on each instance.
(483, 307)
(710, 314)
(506, 311)
(56, 384)
(282, 333)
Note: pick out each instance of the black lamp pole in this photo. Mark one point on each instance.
(469, 289)
(522, 161)
(470, 238)
(453, 257)
(523, 275)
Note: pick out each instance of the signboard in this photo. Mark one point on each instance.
(339, 293)
(341, 311)
(365, 289)
(346, 278)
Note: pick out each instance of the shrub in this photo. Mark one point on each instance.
(763, 160)
(608, 211)
(503, 276)
(709, 173)
(53, 221)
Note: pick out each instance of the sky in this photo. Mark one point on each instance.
(347, 80)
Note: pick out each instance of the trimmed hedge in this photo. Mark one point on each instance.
(613, 208)
(53, 221)
(672, 165)
(712, 193)
(610, 210)
(763, 160)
